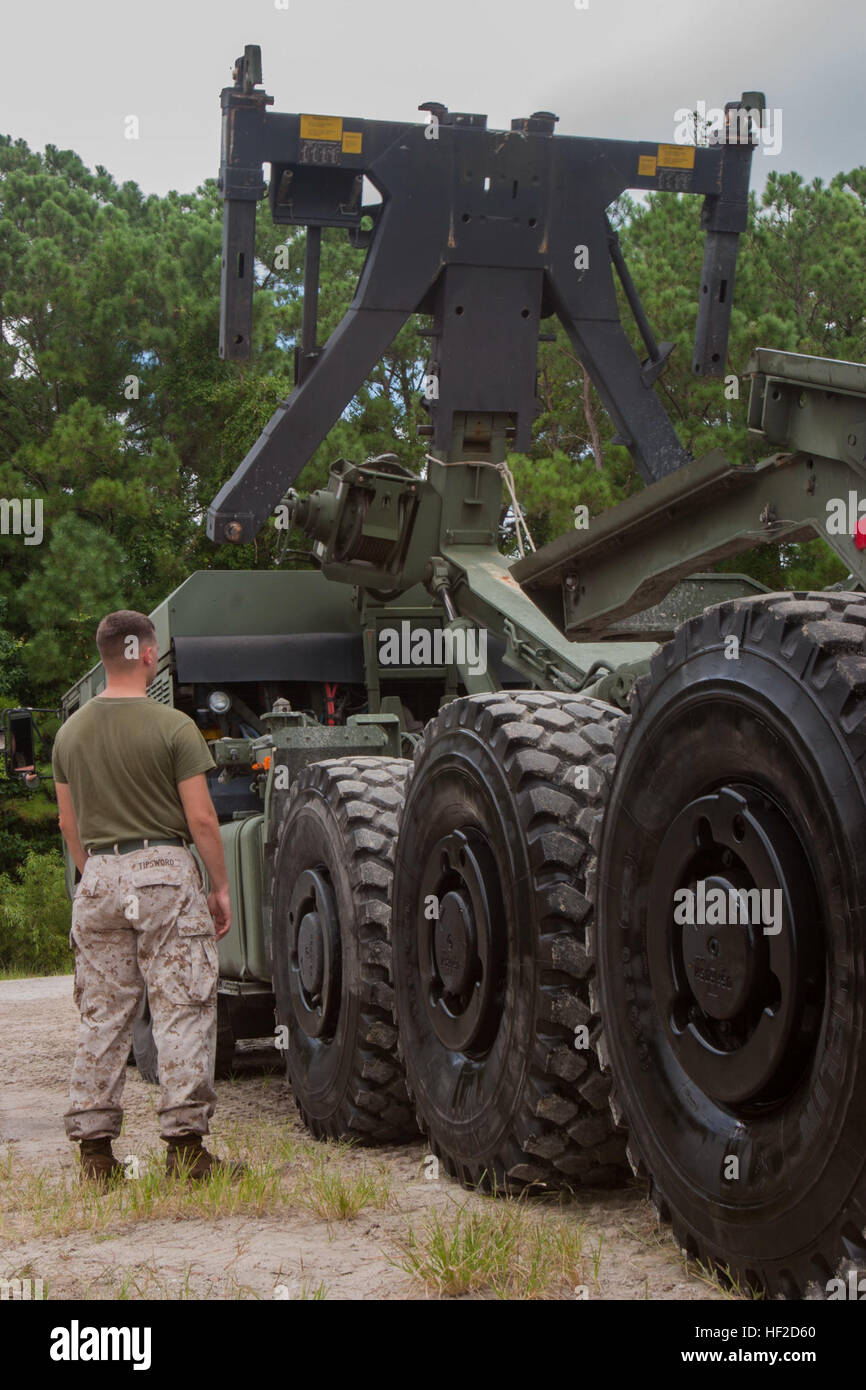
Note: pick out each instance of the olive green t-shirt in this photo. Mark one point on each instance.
(122, 759)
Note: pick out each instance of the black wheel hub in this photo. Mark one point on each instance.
(460, 932)
(314, 954)
(722, 965)
(454, 946)
(731, 939)
(311, 953)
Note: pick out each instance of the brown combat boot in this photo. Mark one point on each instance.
(188, 1158)
(98, 1163)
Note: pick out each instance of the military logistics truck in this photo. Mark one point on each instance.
(604, 897)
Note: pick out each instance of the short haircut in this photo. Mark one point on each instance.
(113, 633)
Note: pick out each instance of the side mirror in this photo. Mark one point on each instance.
(17, 736)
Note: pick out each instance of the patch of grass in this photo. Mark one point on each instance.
(722, 1280)
(142, 1282)
(329, 1191)
(285, 1172)
(318, 1294)
(266, 1145)
(56, 1203)
(501, 1249)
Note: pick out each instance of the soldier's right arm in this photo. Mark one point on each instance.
(69, 824)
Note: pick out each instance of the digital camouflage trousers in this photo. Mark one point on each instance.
(142, 919)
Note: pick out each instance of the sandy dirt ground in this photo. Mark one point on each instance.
(288, 1253)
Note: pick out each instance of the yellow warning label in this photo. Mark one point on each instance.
(352, 141)
(646, 166)
(321, 127)
(677, 156)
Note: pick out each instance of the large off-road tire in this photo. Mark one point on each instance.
(493, 993)
(144, 1055)
(224, 1055)
(738, 1053)
(144, 1045)
(332, 949)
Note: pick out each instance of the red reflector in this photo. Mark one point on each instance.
(860, 534)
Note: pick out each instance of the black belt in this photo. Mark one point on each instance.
(129, 846)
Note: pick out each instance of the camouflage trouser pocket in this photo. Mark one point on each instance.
(195, 932)
(203, 968)
(188, 969)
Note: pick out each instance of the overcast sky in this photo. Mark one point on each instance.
(74, 69)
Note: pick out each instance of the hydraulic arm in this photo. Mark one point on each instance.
(488, 231)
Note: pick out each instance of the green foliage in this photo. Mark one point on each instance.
(28, 820)
(14, 839)
(809, 565)
(115, 409)
(801, 286)
(549, 489)
(35, 917)
(11, 664)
